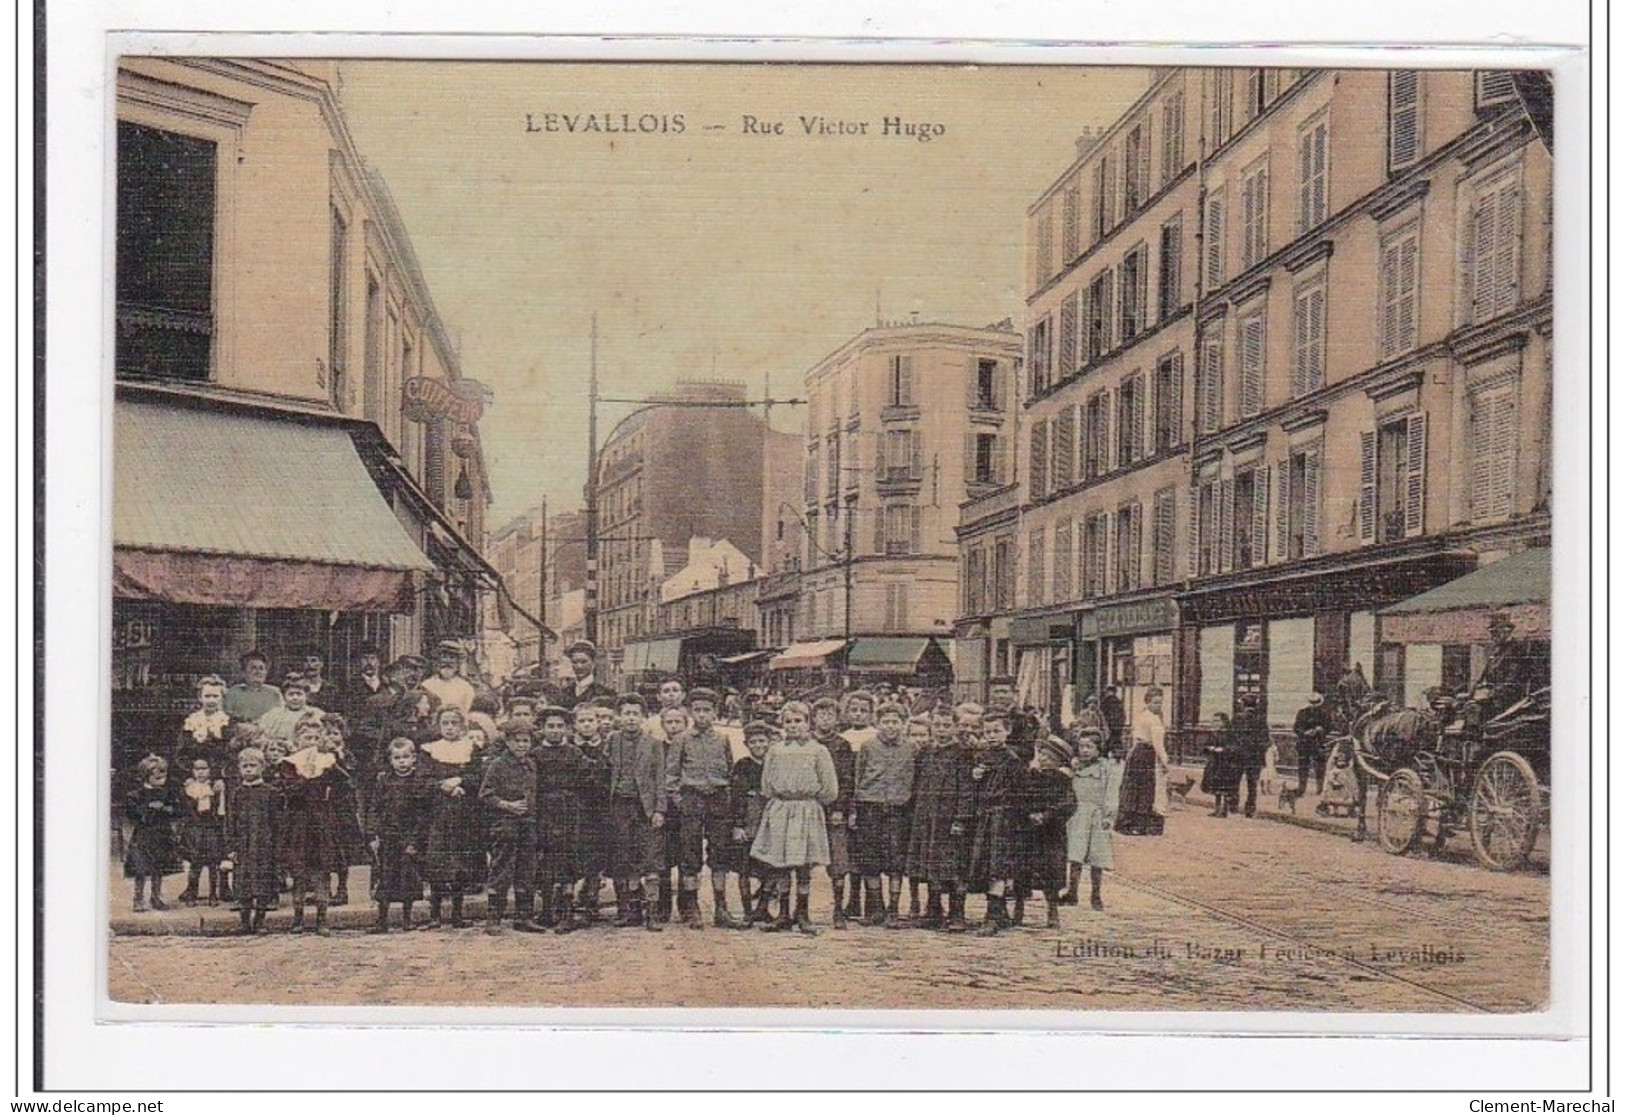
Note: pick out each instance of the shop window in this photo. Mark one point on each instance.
(165, 254)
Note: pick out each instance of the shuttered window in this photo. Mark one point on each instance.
(1312, 176)
(1136, 170)
(1166, 403)
(1250, 332)
(1071, 219)
(1297, 495)
(1066, 356)
(1491, 246)
(1063, 448)
(1044, 249)
(1210, 384)
(1493, 87)
(1393, 462)
(1493, 451)
(1131, 300)
(1404, 118)
(1173, 134)
(1255, 214)
(897, 607)
(1213, 245)
(1221, 109)
(1169, 292)
(1128, 547)
(1036, 567)
(1098, 317)
(1398, 290)
(1162, 537)
(1309, 340)
(901, 387)
(1095, 547)
(1205, 529)
(1096, 460)
(1038, 460)
(1061, 590)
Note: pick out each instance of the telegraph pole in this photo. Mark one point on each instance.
(541, 604)
(590, 604)
(850, 555)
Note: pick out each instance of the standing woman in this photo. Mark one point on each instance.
(1145, 772)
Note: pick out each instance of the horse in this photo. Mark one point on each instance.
(1383, 742)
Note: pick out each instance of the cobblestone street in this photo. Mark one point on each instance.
(1232, 914)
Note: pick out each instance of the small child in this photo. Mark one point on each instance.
(745, 796)
(252, 836)
(938, 823)
(1039, 809)
(991, 840)
(454, 848)
(857, 719)
(314, 789)
(594, 855)
(699, 766)
(351, 841)
(798, 781)
(671, 721)
(561, 772)
(398, 814)
(1097, 782)
(826, 719)
(883, 787)
(203, 830)
(637, 812)
(508, 794)
(153, 850)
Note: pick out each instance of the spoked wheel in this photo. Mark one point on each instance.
(1402, 806)
(1505, 813)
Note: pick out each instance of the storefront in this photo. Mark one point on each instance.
(1280, 639)
(1130, 646)
(1045, 647)
(899, 660)
(804, 667)
(244, 527)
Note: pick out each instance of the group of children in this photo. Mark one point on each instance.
(557, 801)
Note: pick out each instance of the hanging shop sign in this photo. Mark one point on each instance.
(460, 401)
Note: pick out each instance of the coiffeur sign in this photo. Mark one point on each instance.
(460, 403)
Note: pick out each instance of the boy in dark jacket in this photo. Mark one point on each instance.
(826, 719)
(991, 840)
(316, 793)
(561, 773)
(747, 803)
(398, 811)
(595, 849)
(938, 825)
(508, 795)
(1040, 804)
(637, 810)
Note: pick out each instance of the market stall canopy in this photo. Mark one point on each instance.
(892, 654)
(1459, 611)
(801, 656)
(222, 508)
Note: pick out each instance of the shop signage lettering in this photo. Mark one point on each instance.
(1142, 615)
(425, 399)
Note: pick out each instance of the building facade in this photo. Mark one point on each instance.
(904, 421)
(1283, 368)
(542, 558)
(297, 456)
(667, 474)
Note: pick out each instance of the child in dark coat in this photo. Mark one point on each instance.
(253, 819)
(940, 819)
(398, 812)
(153, 807)
(745, 794)
(203, 830)
(991, 839)
(1039, 809)
(826, 719)
(454, 855)
(594, 853)
(508, 795)
(561, 773)
(316, 793)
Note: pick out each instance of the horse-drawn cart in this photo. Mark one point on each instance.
(1452, 772)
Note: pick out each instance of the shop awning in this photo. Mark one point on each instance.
(800, 656)
(232, 509)
(887, 654)
(1459, 611)
(745, 659)
(653, 654)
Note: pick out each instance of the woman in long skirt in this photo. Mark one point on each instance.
(1145, 772)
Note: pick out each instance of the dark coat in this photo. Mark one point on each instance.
(1252, 736)
(645, 757)
(566, 697)
(253, 821)
(745, 796)
(398, 813)
(1312, 726)
(942, 800)
(845, 759)
(454, 855)
(1040, 859)
(562, 776)
(154, 847)
(1222, 773)
(318, 821)
(596, 837)
(991, 838)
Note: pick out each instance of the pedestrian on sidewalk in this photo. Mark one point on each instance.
(1312, 727)
(1221, 776)
(1252, 736)
(1097, 786)
(798, 782)
(1144, 804)
(153, 808)
(1040, 808)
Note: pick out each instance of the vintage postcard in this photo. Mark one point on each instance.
(1013, 537)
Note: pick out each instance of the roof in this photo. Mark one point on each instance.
(887, 651)
(799, 655)
(1522, 578)
(209, 482)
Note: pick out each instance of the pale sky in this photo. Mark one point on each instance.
(710, 252)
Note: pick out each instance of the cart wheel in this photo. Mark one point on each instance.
(1505, 813)
(1402, 806)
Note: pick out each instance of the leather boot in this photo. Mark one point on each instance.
(663, 908)
(858, 898)
(1052, 912)
(932, 918)
(1020, 911)
(995, 919)
(524, 915)
(871, 899)
(382, 924)
(720, 917)
(956, 914)
(783, 921)
(494, 910)
(320, 928)
(690, 906)
(298, 923)
(758, 910)
(838, 892)
(803, 921)
(651, 918)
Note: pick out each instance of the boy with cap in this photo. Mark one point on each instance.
(637, 811)
(747, 803)
(883, 787)
(1040, 807)
(508, 795)
(699, 764)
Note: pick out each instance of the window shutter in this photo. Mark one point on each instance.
(1065, 447)
(1283, 511)
(1300, 345)
(1481, 240)
(1215, 241)
(881, 439)
(1505, 268)
(1001, 386)
(1068, 345)
(1252, 365)
(1227, 523)
(970, 460)
(1504, 450)
(1316, 373)
(914, 530)
(1176, 397)
(1039, 460)
(1368, 485)
(1388, 338)
(1137, 419)
(1311, 503)
(905, 381)
(1319, 149)
(1143, 170)
(914, 470)
(1306, 183)
(1109, 181)
(1084, 591)
(881, 514)
(1105, 311)
(1193, 534)
(1405, 318)
(1260, 525)
(1135, 549)
(1416, 436)
(1001, 450)
(1404, 117)
(973, 394)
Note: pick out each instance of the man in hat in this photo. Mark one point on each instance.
(1252, 736)
(1312, 726)
(448, 686)
(583, 687)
